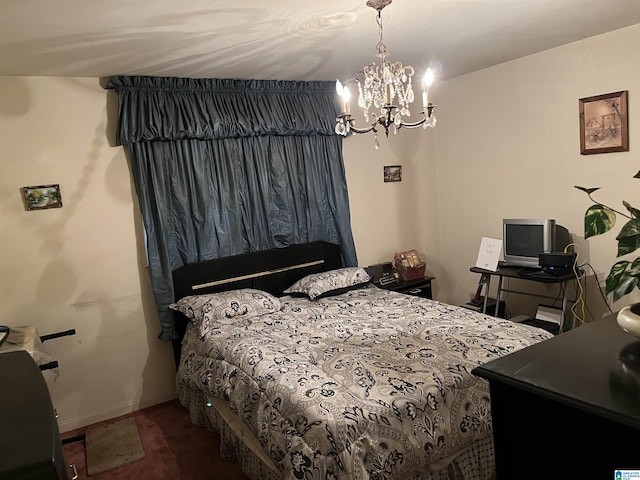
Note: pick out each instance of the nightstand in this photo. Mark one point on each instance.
(420, 287)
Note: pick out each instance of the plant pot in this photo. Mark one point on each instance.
(629, 319)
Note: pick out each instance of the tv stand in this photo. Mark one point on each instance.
(519, 273)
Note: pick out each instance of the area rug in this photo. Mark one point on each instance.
(111, 445)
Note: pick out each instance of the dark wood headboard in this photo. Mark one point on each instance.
(271, 270)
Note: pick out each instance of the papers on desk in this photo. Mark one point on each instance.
(489, 254)
(26, 338)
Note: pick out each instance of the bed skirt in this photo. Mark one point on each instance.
(238, 444)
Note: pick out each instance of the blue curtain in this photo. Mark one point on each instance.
(223, 167)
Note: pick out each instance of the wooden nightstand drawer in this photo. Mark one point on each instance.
(420, 287)
(420, 291)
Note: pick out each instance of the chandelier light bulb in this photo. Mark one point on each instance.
(340, 92)
(428, 78)
(346, 96)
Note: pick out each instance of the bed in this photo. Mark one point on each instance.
(307, 370)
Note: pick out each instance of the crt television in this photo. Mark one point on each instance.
(524, 238)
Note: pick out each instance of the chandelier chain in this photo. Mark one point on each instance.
(381, 47)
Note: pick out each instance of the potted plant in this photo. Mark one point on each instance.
(624, 275)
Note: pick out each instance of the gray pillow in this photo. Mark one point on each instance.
(224, 307)
(328, 283)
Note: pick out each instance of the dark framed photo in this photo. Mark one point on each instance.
(393, 173)
(40, 197)
(604, 123)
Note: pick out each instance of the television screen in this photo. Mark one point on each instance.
(524, 240)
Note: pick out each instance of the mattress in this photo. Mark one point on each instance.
(369, 383)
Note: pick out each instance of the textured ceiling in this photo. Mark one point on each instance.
(287, 39)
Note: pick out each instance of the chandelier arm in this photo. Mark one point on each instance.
(370, 128)
(412, 124)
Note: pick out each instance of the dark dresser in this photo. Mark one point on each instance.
(30, 445)
(568, 407)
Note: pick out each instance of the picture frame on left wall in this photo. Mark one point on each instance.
(39, 197)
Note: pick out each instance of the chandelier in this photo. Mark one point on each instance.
(379, 86)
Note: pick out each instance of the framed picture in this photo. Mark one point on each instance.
(393, 173)
(604, 123)
(42, 196)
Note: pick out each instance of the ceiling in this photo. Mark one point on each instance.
(287, 39)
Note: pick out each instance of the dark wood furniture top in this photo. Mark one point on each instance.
(272, 270)
(420, 287)
(595, 367)
(568, 407)
(525, 274)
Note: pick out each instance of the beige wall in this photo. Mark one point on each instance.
(80, 266)
(390, 217)
(506, 145)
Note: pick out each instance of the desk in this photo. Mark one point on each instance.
(567, 407)
(515, 272)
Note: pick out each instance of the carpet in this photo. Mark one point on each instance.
(111, 445)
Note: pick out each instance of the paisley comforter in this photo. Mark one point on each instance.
(365, 384)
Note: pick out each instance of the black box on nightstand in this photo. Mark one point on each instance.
(379, 270)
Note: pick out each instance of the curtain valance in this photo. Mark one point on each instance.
(169, 108)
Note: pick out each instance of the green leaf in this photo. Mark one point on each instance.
(626, 285)
(629, 237)
(613, 279)
(588, 190)
(598, 219)
(635, 268)
(621, 281)
(635, 213)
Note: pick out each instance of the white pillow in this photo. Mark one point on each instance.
(328, 283)
(223, 307)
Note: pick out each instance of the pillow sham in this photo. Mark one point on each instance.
(224, 307)
(333, 282)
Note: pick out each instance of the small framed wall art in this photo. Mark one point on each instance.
(393, 173)
(39, 197)
(604, 123)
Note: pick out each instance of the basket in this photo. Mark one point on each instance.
(409, 265)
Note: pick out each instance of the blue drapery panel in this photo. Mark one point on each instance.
(213, 180)
(161, 108)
